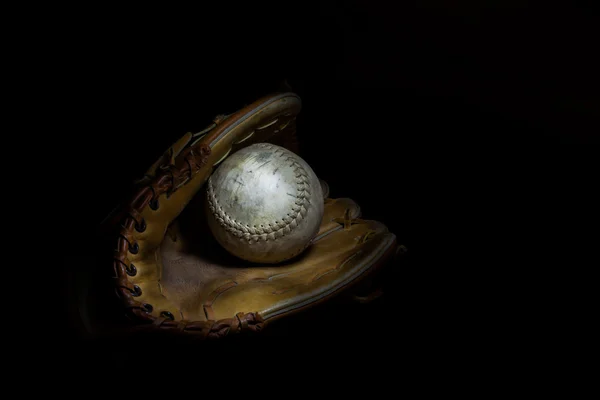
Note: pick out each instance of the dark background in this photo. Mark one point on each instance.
(464, 127)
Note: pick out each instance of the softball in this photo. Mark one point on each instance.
(264, 204)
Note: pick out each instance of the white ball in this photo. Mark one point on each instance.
(264, 204)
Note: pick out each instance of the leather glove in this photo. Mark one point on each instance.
(170, 274)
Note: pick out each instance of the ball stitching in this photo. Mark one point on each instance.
(277, 228)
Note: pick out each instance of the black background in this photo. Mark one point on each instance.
(461, 126)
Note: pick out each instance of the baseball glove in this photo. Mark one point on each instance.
(170, 274)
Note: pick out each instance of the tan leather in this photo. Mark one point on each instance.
(181, 274)
(198, 280)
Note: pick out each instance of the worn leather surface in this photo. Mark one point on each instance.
(171, 273)
(202, 281)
